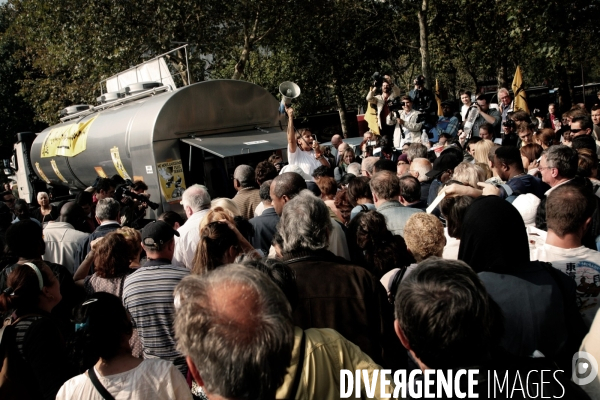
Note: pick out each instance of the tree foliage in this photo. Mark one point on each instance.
(55, 52)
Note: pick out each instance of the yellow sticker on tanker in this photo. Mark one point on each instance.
(100, 172)
(114, 153)
(67, 140)
(41, 173)
(172, 181)
(57, 172)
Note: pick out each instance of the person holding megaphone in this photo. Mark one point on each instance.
(303, 148)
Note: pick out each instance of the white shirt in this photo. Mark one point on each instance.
(463, 111)
(259, 209)
(187, 242)
(304, 159)
(451, 247)
(581, 264)
(62, 242)
(153, 379)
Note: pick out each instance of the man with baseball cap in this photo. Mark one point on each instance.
(148, 294)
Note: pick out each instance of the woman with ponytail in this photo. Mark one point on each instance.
(31, 294)
(100, 349)
(220, 243)
(377, 249)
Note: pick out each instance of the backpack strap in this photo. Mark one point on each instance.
(99, 387)
(394, 283)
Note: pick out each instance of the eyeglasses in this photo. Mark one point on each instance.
(405, 103)
(575, 130)
(543, 168)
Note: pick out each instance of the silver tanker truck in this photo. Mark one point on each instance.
(169, 138)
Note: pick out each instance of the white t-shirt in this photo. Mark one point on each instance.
(451, 247)
(581, 264)
(304, 159)
(463, 111)
(153, 379)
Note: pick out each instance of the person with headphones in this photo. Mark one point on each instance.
(32, 292)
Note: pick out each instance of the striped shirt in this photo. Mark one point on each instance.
(148, 296)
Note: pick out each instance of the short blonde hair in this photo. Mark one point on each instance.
(482, 149)
(424, 236)
(469, 174)
(226, 204)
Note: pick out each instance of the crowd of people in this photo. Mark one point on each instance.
(445, 248)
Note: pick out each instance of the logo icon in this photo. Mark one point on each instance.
(585, 368)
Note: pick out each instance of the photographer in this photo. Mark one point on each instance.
(134, 202)
(382, 101)
(407, 129)
(424, 100)
(486, 114)
(509, 137)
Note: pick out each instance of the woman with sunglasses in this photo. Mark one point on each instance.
(32, 292)
(100, 347)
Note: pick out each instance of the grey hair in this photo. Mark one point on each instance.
(42, 194)
(196, 197)
(503, 90)
(107, 209)
(354, 168)
(563, 158)
(416, 150)
(305, 223)
(244, 174)
(241, 345)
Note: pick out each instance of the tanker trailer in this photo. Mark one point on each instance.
(168, 138)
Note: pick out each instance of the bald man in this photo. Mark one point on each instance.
(62, 238)
(419, 169)
(337, 142)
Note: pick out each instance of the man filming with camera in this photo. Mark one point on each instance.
(407, 124)
(382, 102)
(486, 114)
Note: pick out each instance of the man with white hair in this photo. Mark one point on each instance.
(247, 197)
(356, 304)
(287, 186)
(506, 104)
(419, 169)
(354, 169)
(196, 203)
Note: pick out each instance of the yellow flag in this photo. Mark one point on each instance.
(520, 98)
(371, 118)
(437, 98)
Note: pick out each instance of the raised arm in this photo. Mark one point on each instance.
(291, 132)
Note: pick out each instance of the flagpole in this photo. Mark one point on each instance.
(582, 86)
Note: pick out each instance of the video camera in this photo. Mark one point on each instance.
(377, 82)
(509, 123)
(124, 191)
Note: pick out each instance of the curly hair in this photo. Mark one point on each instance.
(424, 236)
(381, 251)
(134, 238)
(112, 256)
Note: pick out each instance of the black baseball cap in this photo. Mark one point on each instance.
(157, 233)
(443, 163)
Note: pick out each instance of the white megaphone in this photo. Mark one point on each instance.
(289, 91)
